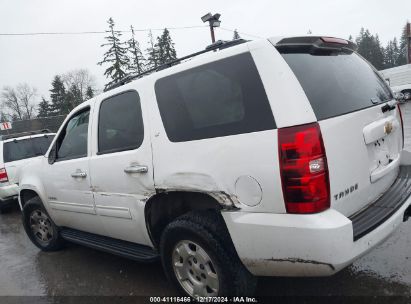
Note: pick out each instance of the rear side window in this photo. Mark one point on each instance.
(26, 148)
(337, 82)
(72, 141)
(120, 124)
(221, 98)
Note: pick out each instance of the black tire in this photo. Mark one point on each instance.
(5, 209)
(34, 207)
(208, 230)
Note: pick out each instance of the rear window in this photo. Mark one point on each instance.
(26, 148)
(222, 98)
(337, 82)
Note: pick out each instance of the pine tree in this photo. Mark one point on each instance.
(116, 56)
(89, 93)
(43, 108)
(136, 63)
(236, 35)
(165, 47)
(402, 55)
(391, 54)
(58, 99)
(74, 97)
(152, 52)
(369, 47)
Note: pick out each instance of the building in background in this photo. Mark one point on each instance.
(50, 123)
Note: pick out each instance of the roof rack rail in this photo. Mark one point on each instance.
(218, 45)
(28, 133)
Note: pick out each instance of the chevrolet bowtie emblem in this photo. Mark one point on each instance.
(388, 127)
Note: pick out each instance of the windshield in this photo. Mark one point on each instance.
(337, 82)
(26, 148)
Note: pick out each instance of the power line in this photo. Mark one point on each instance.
(126, 31)
(242, 33)
(99, 32)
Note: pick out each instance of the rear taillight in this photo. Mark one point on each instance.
(402, 125)
(3, 175)
(304, 171)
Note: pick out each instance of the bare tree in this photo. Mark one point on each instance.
(81, 79)
(26, 95)
(11, 102)
(19, 102)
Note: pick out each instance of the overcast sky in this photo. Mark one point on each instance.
(36, 59)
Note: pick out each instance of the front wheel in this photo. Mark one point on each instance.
(199, 258)
(39, 227)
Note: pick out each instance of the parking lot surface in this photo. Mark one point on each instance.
(79, 271)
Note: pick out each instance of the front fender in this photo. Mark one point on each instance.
(30, 179)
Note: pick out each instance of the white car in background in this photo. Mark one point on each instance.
(16, 150)
(399, 79)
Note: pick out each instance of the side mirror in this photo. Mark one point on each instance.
(407, 96)
(53, 155)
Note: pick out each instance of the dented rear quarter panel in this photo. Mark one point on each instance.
(214, 165)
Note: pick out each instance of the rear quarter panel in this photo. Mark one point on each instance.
(215, 165)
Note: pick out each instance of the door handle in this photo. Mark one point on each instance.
(136, 169)
(79, 174)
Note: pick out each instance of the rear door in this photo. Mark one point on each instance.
(121, 167)
(362, 136)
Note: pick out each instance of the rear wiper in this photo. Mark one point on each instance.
(389, 106)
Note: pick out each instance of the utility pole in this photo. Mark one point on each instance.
(213, 21)
(408, 42)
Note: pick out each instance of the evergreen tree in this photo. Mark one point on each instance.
(74, 97)
(165, 47)
(59, 104)
(136, 63)
(152, 52)
(369, 47)
(43, 108)
(402, 54)
(236, 35)
(350, 38)
(116, 56)
(89, 93)
(391, 54)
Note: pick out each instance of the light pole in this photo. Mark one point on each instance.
(213, 21)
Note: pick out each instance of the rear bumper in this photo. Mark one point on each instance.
(8, 192)
(314, 245)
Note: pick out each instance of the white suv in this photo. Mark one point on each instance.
(15, 151)
(279, 157)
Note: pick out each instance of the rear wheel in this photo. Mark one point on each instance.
(5, 209)
(202, 262)
(39, 227)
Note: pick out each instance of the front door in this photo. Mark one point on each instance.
(121, 167)
(67, 179)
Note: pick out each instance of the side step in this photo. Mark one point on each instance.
(118, 247)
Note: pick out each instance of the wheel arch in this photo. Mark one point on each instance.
(163, 207)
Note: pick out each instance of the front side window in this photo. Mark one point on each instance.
(221, 98)
(72, 142)
(120, 126)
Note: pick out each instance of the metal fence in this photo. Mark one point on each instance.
(51, 123)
